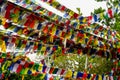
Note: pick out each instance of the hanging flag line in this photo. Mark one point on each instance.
(70, 14)
(62, 8)
(68, 21)
(31, 66)
(74, 24)
(78, 26)
(100, 42)
(48, 27)
(96, 17)
(99, 16)
(22, 66)
(26, 31)
(73, 34)
(84, 41)
(45, 29)
(14, 44)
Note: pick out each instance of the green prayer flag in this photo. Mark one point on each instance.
(106, 16)
(36, 66)
(55, 70)
(22, 71)
(4, 55)
(119, 63)
(12, 15)
(39, 47)
(19, 44)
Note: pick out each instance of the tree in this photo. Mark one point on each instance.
(115, 22)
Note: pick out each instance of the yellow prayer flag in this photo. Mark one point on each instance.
(84, 19)
(15, 19)
(22, 77)
(2, 46)
(101, 15)
(68, 74)
(96, 42)
(51, 38)
(23, 46)
(54, 30)
(3, 21)
(40, 67)
(43, 48)
(26, 70)
(11, 27)
(20, 32)
(71, 13)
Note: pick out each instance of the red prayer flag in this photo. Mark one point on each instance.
(6, 25)
(62, 8)
(51, 70)
(32, 24)
(27, 23)
(13, 40)
(26, 65)
(45, 30)
(50, 13)
(79, 51)
(119, 50)
(75, 15)
(62, 72)
(19, 68)
(110, 13)
(9, 7)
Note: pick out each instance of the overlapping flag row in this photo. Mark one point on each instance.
(86, 20)
(41, 46)
(57, 31)
(14, 44)
(23, 66)
(80, 36)
(64, 49)
(70, 14)
(67, 11)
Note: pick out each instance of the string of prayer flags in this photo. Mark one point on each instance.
(92, 19)
(45, 49)
(45, 29)
(72, 36)
(71, 13)
(30, 25)
(32, 68)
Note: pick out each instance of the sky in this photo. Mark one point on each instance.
(86, 6)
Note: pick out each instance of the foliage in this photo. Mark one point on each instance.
(14, 76)
(95, 64)
(115, 22)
